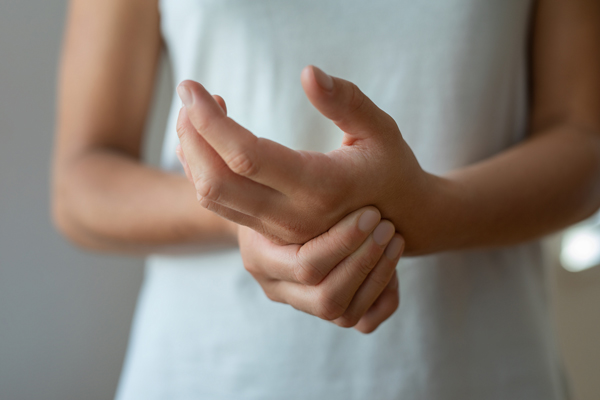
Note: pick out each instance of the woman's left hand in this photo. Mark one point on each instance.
(293, 196)
(346, 275)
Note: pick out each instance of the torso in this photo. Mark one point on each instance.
(453, 74)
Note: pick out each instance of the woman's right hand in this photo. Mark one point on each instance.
(346, 275)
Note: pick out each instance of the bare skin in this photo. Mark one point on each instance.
(106, 199)
(545, 183)
(344, 275)
(353, 285)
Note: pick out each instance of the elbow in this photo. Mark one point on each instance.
(63, 212)
(61, 219)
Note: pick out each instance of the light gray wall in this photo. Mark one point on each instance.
(65, 314)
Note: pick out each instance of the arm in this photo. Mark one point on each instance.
(551, 180)
(548, 182)
(104, 198)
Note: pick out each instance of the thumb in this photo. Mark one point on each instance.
(346, 105)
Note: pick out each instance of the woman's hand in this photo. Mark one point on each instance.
(346, 275)
(342, 276)
(292, 196)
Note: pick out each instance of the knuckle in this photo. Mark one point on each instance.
(251, 267)
(357, 99)
(208, 188)
(390, 123)
(181, 127)
(371, 324)
(201, 120)
(306, 272)
(209, 205)
(268, 289)
(328, 308)
(342, 244)
(271, 296)
(242, 164)
(364, 265)
(368, 327)
(347, 320)
(381, 280)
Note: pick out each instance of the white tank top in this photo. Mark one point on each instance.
(471, 324)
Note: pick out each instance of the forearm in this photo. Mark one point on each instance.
(108, 201)
(547, 182)
(544, 184)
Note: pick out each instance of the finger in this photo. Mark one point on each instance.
(265, 259)
(221, 102)
(374, 284)
(261, 160)
(301, 297)
(382, 309)
(318, 257)
(308, 264)
(184, 164)
(346, 105)
(330, 298)
(342, 283)
(224, 212)
(214, 181)
(234, 216)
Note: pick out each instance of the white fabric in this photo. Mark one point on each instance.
(472, 325)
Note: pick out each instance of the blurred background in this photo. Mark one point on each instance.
(65, 314)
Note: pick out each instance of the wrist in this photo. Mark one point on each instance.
(435, 214)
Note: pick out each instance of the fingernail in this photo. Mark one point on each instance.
(324, 80)
(368, 220)
(394, 247)
(185, 95)
(383, 233)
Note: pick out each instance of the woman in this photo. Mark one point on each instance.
(498, 101)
